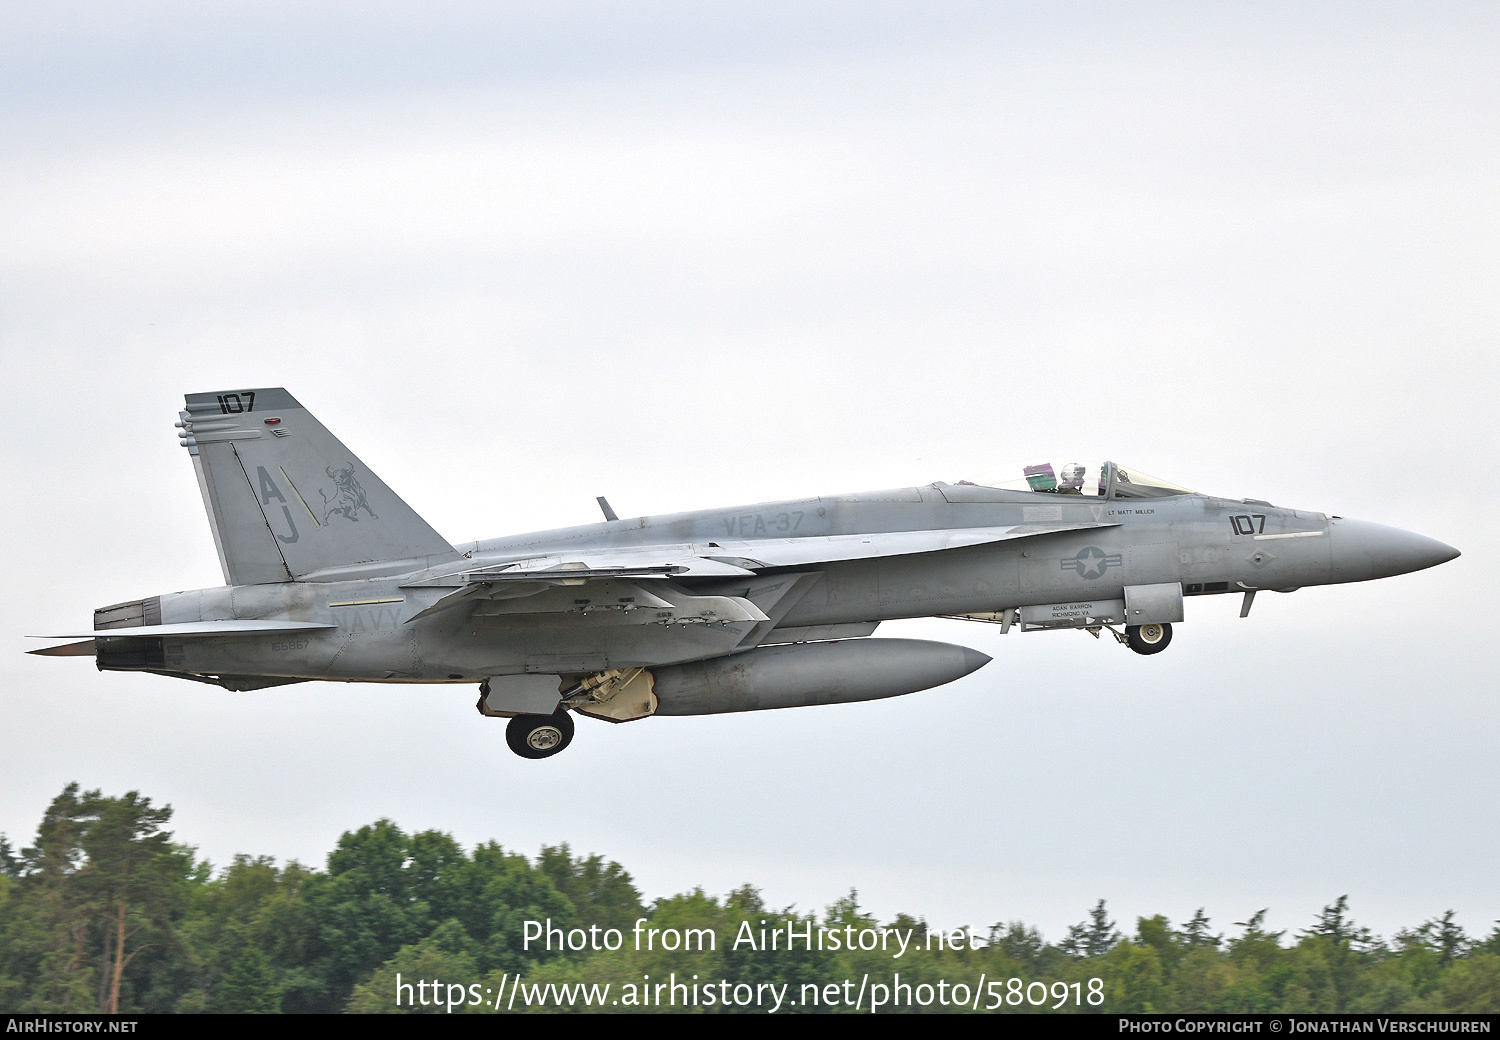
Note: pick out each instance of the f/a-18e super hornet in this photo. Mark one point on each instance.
(329, 575)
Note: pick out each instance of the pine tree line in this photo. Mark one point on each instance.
(105, 912)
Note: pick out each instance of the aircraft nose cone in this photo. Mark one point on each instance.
(1363, 550)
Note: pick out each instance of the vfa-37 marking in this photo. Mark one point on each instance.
(751, 525)
(329, 574)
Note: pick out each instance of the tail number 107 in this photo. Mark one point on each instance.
(1249, 523)
(234, 404)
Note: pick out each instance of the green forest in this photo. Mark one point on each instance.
(107, 912)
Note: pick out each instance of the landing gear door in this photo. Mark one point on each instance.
(1153, 604)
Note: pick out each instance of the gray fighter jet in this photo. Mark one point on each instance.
(330, 576)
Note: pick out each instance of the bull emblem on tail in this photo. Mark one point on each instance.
(348, 496)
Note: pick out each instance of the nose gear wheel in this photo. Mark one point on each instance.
(1148, 639)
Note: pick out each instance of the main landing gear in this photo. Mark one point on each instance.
(531, 735)
(539, 736)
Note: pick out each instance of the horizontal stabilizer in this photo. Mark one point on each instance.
(83, 649)
(198, 629)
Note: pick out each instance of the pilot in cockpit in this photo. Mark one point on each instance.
(1070, 480)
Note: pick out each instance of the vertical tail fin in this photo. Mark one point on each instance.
(286, 499)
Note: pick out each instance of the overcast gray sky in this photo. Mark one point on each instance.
(691, 255)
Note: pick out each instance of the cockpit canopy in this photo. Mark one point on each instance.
(1099, 479)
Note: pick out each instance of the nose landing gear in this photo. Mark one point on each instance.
(1143, 639)
(1148, 639)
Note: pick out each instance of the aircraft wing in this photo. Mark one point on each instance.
(798, 552)
(528, 577)
(652, 561)
(737, 558)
